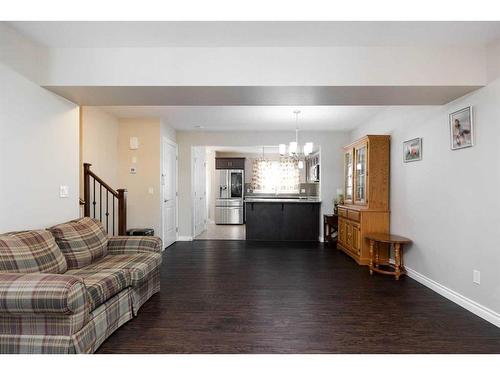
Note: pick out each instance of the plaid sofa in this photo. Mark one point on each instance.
(66, 289)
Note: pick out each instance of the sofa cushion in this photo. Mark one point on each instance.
(138, 265)
(29, 252)
(101, 285)
(82, 241)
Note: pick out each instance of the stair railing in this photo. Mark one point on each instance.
(100, 201)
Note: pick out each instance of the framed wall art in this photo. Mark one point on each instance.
(461, 129)
(412, 150)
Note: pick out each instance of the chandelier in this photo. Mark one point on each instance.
(295, 150)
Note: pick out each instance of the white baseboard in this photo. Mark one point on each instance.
(184, 238)
(468, 304)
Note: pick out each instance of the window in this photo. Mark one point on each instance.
(276, 176)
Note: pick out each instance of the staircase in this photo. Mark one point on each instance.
(103, 203)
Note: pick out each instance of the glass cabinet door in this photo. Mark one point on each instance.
(360, 174)
(348, 167)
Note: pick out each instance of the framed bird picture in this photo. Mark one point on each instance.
(461, 129)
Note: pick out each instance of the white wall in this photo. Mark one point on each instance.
(493, 61)
(191, 66)
(448, 203)
(167, 131)
(38, 153)
(331, 161)
(106, 146)
(23, 55)
(143, 206)
(100, 143)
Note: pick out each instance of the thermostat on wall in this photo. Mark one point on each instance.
(134, 143)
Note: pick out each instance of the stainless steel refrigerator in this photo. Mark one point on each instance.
(229, 196)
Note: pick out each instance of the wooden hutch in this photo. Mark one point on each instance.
(366, 195)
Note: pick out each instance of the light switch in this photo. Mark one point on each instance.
(134, 159)
(64, 191)
(134, 143)
(151, 191)
(133, 170)
(476, 277)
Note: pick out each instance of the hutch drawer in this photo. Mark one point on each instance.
(342, 212)
(353, 215)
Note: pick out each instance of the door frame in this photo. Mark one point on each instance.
(166, 140)
(193, 198)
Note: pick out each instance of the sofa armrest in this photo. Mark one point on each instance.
(38, 293)
(134, 244)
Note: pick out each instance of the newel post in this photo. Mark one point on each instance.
(86, 189)
(122, 212)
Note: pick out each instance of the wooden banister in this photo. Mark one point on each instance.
(90, 182)
(86, 189)
(122, 212)
(104, 185)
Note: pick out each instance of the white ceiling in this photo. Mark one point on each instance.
(253, 34)
(258, 118)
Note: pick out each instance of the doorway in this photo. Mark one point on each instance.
(169, 192)
(210, 220)
(199, 190)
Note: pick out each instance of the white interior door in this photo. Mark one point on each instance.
(199, 191)
(169, 192)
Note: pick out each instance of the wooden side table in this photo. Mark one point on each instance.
(330, 227)
(397, 243)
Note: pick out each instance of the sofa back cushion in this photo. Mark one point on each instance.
(82, 241)
(29, 252)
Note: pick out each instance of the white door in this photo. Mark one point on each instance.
(199, 191)
(169, 192)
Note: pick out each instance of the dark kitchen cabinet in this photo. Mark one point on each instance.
(300, 222)
(263, 221)
(281, 221)
(229, 163)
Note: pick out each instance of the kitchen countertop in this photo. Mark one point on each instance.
(282, 200)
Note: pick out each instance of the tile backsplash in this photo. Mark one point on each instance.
(310, 189)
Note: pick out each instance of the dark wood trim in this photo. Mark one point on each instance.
(122, 212)
(86, 188)
(229, 163)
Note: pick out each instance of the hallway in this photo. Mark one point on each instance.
(222, 232)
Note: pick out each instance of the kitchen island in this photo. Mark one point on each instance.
(282, 219)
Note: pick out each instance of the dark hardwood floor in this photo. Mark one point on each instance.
(248, 297)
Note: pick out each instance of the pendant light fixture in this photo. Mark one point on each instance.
(294, 148)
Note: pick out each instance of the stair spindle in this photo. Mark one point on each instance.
(94, 202)
(120, 195)
(113, 215)
(107, 211)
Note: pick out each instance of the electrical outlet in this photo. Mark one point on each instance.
(476, 277)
